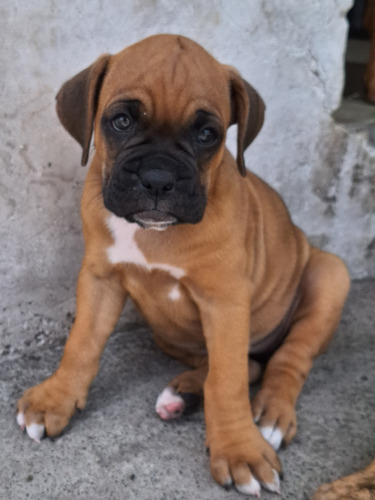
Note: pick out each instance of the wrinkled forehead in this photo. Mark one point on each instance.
(171, 76)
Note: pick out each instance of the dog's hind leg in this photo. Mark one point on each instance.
(324, 287)
(184, 393)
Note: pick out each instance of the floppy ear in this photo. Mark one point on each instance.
(248, 112)
(77, 102)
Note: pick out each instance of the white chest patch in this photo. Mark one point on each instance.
(125, 249)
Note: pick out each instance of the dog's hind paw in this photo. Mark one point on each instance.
(275, 417)
(273, 435)
(169, 404)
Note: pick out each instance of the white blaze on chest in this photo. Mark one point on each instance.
(126, 251)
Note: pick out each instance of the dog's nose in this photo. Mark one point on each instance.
(157, 183)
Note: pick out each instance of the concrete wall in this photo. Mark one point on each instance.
(291, 51)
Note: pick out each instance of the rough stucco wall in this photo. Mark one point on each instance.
(292, 52)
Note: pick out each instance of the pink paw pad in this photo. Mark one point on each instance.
(169, 404)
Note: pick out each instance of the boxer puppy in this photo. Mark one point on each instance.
(205, 248)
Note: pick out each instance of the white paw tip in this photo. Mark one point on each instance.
(250, 488)
(266, 431)
(169, 404)
(35, 431)
(21, 420)
(275, 485)
(273, 435)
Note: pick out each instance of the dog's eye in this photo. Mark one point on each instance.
(121, 122)
(207, 136)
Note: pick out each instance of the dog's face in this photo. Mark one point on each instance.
(157, 141)
(161, 109)
(155, 174)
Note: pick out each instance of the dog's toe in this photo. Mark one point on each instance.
(21, 420)
(273, 435)
(273, 485)
(34, 431)
(169, 404)
(250, 488)
(275, 417)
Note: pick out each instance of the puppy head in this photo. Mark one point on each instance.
(159, 110)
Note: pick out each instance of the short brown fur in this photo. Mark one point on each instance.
(244, 265)
(357, 486)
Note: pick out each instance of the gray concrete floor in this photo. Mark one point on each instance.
(117, 448)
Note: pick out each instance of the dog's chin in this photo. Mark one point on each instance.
(154, 219)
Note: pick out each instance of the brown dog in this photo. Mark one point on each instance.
(209, 254)
(358, 486)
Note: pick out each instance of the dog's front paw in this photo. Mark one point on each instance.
(275, 417)
(47, 408)
(246, 460)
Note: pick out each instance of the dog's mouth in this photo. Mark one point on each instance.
(154, 219)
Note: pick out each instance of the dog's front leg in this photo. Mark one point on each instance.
(238, 452)
(49, 405)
